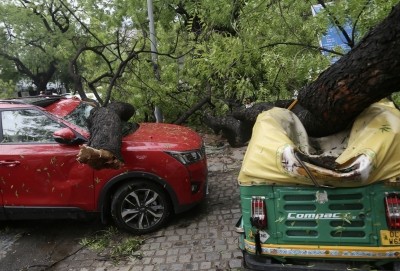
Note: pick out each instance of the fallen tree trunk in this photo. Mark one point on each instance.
(367, 74)
(105, 125)
(237, 128)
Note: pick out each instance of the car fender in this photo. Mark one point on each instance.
(104, 199)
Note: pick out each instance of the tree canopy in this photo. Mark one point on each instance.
(210, 54)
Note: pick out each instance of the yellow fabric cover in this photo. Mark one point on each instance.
(369, 152)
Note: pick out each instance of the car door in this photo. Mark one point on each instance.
(35, 171)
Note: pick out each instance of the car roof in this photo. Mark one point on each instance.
(9, 104)
(29, 101)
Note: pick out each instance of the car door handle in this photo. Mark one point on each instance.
(9, 163)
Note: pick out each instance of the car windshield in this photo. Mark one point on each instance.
(81, 113)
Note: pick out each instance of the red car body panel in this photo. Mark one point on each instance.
(48, 174)
(45, 175)
(163, 136)
(63, 107)
(146, 147)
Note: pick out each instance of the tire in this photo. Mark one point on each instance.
(140, 207)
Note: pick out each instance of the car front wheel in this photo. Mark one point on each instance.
(140, 207)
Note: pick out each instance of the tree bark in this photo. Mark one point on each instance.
(105, 125)
(196, 107)
(367, 74)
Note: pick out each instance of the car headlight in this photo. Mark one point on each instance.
(187, 157)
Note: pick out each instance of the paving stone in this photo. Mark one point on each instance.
(155, 246)
(146, 260)
(191, 266)
(186, 237)
(173, 251)
(142, 268)
(235, 263)
(199, 257)
(205, 265)
(173, 238)
(171, 259)
(185, 258)
(157, 260)
(159, 253)
(226, 255)
(213, 256)
(147, 253)
(166, 245)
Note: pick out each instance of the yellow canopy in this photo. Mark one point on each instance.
(368, 152)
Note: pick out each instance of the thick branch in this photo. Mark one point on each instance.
(368, 73)
(105, 125)
(310, 46)
(336, 22)
(193, 109)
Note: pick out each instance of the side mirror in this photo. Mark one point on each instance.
(66, 136)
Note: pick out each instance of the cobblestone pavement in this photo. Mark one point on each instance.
(201, 239)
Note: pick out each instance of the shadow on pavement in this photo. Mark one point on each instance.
(38, 245)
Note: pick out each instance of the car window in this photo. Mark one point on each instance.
(80, 115)
(28, 125)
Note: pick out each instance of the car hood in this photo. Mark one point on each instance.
(163, 136)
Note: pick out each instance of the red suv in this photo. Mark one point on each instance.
(164, 172)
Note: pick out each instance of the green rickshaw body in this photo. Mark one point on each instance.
(298, 214)
(320, 224)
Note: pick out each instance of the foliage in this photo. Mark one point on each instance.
(396, 98)
(111, 244)
(35, 38)
(7, 89)
(226, 50)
